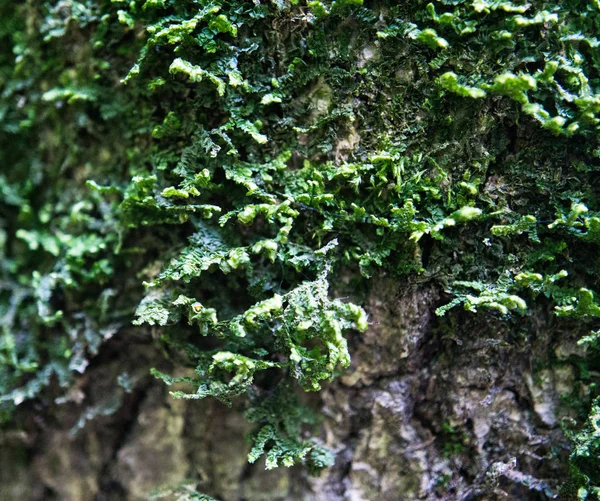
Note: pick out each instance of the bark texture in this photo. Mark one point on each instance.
(423, 413)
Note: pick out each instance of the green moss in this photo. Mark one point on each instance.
(255, 150)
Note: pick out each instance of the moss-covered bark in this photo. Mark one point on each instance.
(237, 198)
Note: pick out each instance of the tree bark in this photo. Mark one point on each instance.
(427, 411)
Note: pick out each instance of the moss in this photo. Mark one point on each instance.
(255, 150)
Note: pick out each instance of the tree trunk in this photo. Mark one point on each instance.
(413, 160)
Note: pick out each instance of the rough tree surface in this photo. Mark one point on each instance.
(337, 250)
